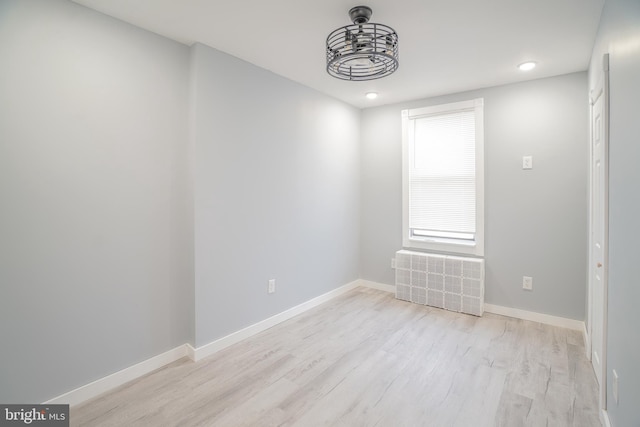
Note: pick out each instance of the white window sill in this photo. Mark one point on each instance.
(444, 245)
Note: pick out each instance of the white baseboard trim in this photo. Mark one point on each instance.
(587, 341)
(224, 342)
(547, 319)
(191, 352)
(378, 286)
(604, 418)
(102, 385)
(505, 311)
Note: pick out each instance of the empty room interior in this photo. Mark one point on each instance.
(305, 213)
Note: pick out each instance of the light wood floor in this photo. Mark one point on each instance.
(366, 359)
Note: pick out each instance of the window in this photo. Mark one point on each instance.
(443, 178)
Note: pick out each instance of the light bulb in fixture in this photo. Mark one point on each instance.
(527, 66)
(388, 46)
(371, 95)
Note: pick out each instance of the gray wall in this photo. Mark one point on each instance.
(117, 148)
(535, 220)
(619, 35)
(149, 191)
(276, 192)
(95, 274)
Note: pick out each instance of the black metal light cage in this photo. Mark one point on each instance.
(362, 52)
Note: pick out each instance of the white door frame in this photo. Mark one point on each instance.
(604, 85)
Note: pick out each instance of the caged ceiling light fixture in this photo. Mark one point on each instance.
(362, 51)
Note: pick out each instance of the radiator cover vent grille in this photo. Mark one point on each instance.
(449, 282)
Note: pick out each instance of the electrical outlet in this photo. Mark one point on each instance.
(272, 286)
(615, 386)
(393, 263)
(527, 283)
(527, 162)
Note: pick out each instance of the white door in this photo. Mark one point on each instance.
(598, 235)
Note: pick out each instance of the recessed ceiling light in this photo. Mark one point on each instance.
(527, 66)
(372, 95)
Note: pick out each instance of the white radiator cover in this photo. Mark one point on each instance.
(443, 281)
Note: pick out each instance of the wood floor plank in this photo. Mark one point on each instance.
(367, 359)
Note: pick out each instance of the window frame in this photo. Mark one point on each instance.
(456, 246)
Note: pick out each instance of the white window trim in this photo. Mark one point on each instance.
(445, 245)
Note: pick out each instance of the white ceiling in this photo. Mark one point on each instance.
(446, 46)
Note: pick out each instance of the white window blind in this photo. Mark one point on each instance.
(442, 190)
(443, 177)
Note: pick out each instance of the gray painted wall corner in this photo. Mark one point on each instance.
(276, 193)
(91, 181)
